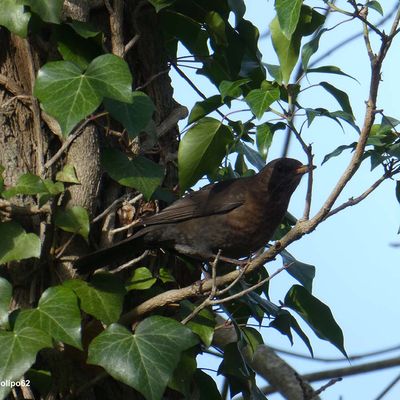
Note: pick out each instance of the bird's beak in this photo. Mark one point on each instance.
(304, 169)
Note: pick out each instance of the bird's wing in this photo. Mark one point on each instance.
(210, 200)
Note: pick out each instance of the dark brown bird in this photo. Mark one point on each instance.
(237, 216)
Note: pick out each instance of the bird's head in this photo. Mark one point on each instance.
(283, 174)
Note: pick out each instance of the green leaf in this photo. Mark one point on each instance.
(303, 273)
(74, 220)
(375, 5)
(203, 324)
(264, 136)
(18, 351)
(288, 50)
(165, 276)
(239, 9)
(317, 315)
(181, 380)
(216, 27)
(5, 300)
(232, 88)
(201, 150)
(233, 363)
(339, 151)
(341, 97)
(329, 69)
(276, 72)
(204, 107)
(26, 184)
(102, 297)
(311, 48)
(288, 12)
(259, 100)
(57, 314)
(69, 94)
(16, 244)
(139, 173)
(206, 386)
(145, 360)
(252, 156)
(142, 279)
(67, 174)
(134, 116)
(75, 48)
(48, 11)
(285, 322)
(160, 4)
(84, 29)
(14, 17)
(252, 337)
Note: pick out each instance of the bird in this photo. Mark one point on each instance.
(235, 217)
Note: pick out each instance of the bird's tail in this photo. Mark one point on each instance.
(111, 256)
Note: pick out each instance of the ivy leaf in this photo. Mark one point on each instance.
(206, 386)
(48, 11)
(203, 324)
(288, 12)
(5, 300)
(317, 315)
(142, 279)
(102, 297)
(16, 244)
(67, 174)
(201, 150)
(57, 314)
(145, 360)
(74, 220)
(69, 94)
(18, 351)
(14, 17)
(259, 100)
(27, 184)
(140, 173)
(232, 89)
(134, 116)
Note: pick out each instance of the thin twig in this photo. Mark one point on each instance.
(388, 388)
(131, 262)
(131, 43)
(347, 371)
(335, 359)
(125, 227)
(326, 386)
(151, 79)
(213, 290)
(251, 288)
(353, 201)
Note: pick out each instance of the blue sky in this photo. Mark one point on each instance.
(357, 269)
